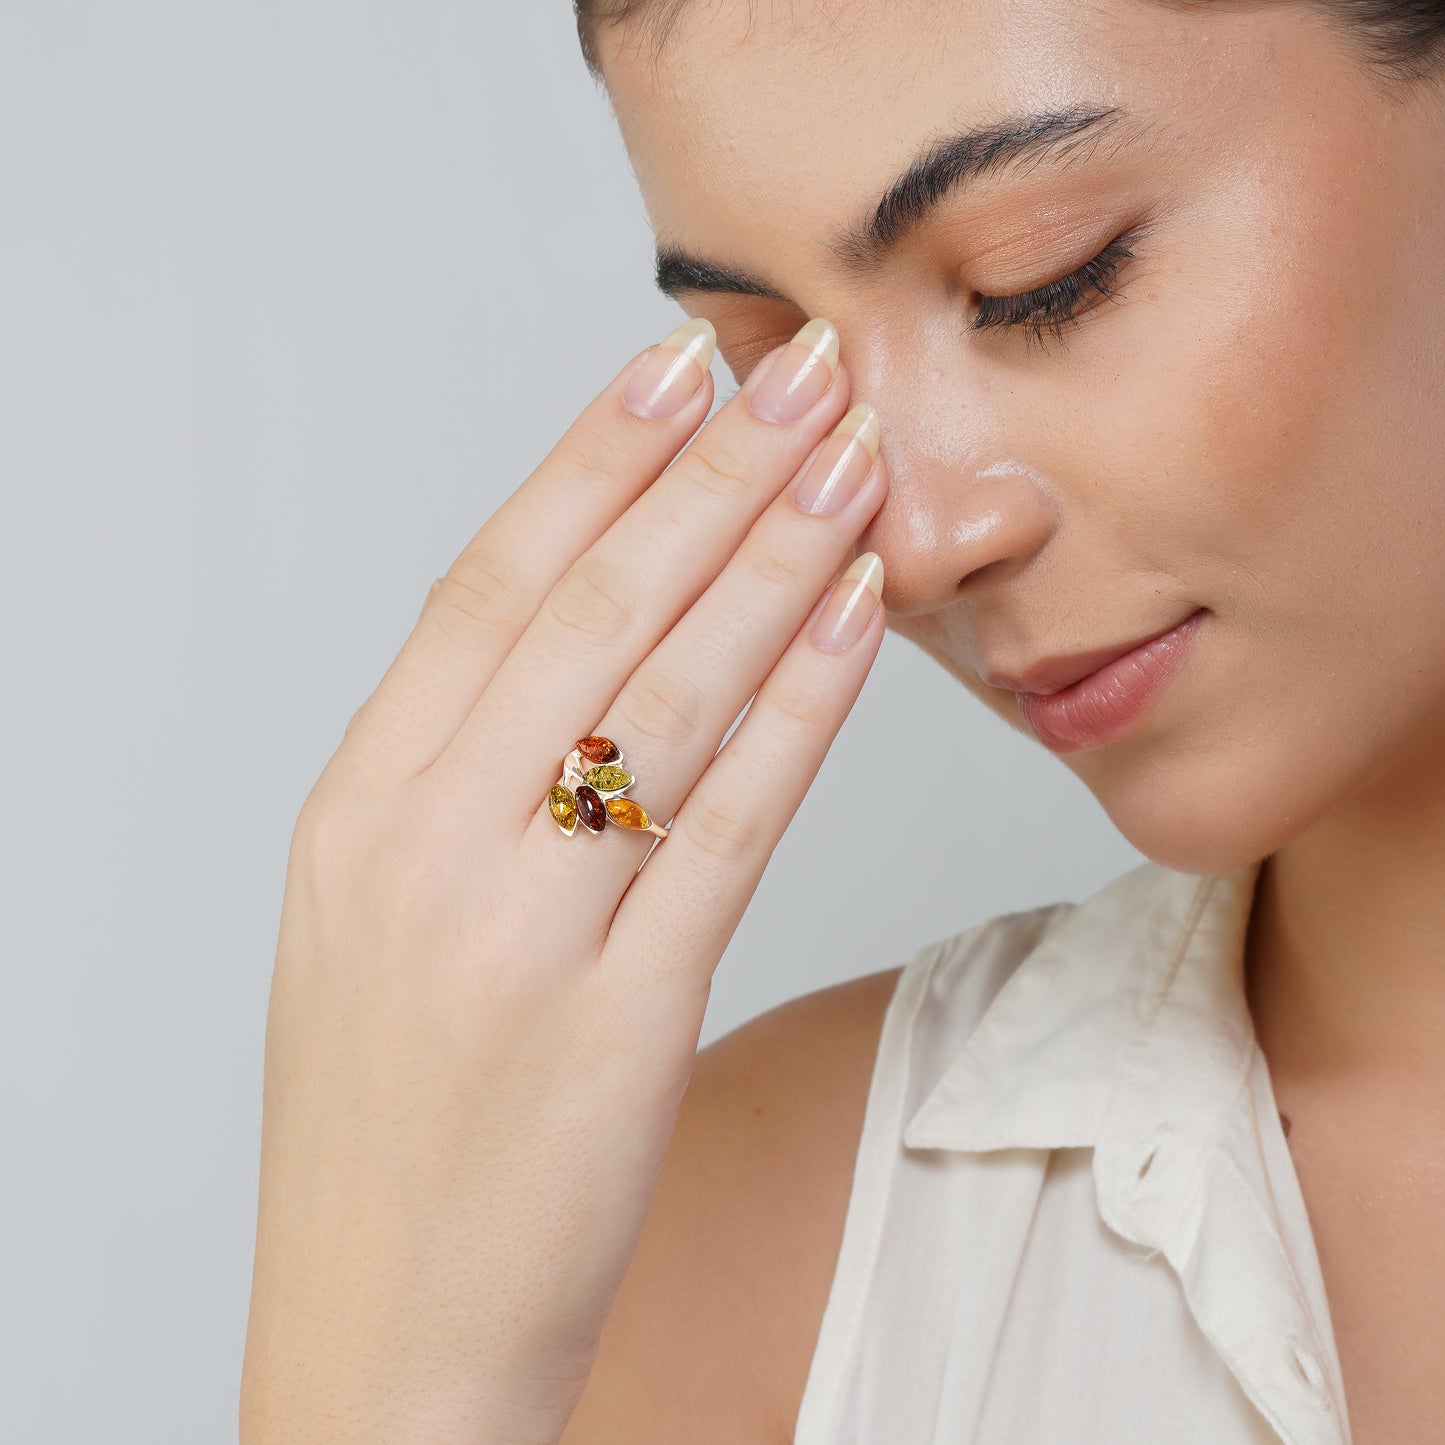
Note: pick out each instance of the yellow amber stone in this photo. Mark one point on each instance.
(564, 807)
(607, 779)
(626, 812)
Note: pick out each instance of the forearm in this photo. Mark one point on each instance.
(375, 1316)
(364, 1369)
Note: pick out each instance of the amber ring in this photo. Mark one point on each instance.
(590, 791)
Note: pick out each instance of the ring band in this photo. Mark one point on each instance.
(590, 791)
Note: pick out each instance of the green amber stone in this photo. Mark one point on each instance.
(608, 779)
(564, 807)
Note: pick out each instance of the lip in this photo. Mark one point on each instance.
(1053, 674)
(1100, 705)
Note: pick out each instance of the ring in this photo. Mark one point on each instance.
(590, 791)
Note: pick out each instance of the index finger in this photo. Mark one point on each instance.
(617, 446)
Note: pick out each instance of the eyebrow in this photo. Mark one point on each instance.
(939, 171)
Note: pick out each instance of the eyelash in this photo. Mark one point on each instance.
(1054, 306)
(1050, 307)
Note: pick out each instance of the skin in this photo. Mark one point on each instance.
(1256, 426)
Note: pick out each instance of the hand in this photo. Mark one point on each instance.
(480, 1029)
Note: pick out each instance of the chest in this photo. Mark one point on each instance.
(1375, 1193)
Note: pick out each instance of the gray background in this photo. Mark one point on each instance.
(276, 277)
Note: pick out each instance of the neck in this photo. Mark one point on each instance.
(1345, 954)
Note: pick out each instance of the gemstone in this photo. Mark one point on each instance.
(564, 808)
(598, 750)
(627, 813)
(608, 779)
(590, 809)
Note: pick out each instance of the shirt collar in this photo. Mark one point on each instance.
(1126, 1028)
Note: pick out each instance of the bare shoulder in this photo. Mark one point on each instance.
(713, 1329)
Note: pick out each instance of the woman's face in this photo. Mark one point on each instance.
(1254, 424)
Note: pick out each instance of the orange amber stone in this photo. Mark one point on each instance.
(627, 813)
(598, 750)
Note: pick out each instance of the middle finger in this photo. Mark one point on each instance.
(625, 592)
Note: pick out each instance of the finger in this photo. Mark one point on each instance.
(707, 869)
(618, 600)
(491, 591)
(676, 708)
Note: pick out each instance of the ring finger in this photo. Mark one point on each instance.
(674, 710)
(623, 595)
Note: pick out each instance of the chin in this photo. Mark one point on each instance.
(1203, 810)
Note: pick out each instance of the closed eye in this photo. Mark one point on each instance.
(1055, 306)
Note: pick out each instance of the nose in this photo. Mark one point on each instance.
(962, 502)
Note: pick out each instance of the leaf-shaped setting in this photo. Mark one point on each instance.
(590, 810)
(564, 808)
(626, 813)
(608, 779)
(599, 750)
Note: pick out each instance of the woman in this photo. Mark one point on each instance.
(1113, 335)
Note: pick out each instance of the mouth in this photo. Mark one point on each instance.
(1050, 675)
(1089, 698)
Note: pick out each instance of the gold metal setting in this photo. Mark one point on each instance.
(590, 791)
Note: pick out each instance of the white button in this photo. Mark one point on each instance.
(1147, 1162)
(1307, 1365)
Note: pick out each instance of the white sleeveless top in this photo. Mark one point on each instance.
(1074, 1219)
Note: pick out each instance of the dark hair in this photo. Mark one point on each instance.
(1404, 40)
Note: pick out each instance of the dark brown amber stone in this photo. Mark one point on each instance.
(598, 750)
(590, 810)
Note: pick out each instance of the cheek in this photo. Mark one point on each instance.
(1273, 439)
(1277, 450)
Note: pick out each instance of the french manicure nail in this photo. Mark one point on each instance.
(832, 478)
(673, 370)
(851, 605)
(798, 375)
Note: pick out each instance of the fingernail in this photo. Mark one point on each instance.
(673, 370)
(798, 375)
(832, 478)
(850, 606)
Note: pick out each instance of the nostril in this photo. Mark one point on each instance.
(973, 576)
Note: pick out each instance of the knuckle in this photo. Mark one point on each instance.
(382, 860)
(592, 456)
(795, 710)
(719, 471)
(718, 831)
(662, 706)
(324, 839)
(593, 599)
(477, 597)
(354, 719)
(774, 569)
(407, 868)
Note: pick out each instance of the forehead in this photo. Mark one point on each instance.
(794, 116)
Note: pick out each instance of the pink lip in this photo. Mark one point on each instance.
(1100, 706)
(1054, 674)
